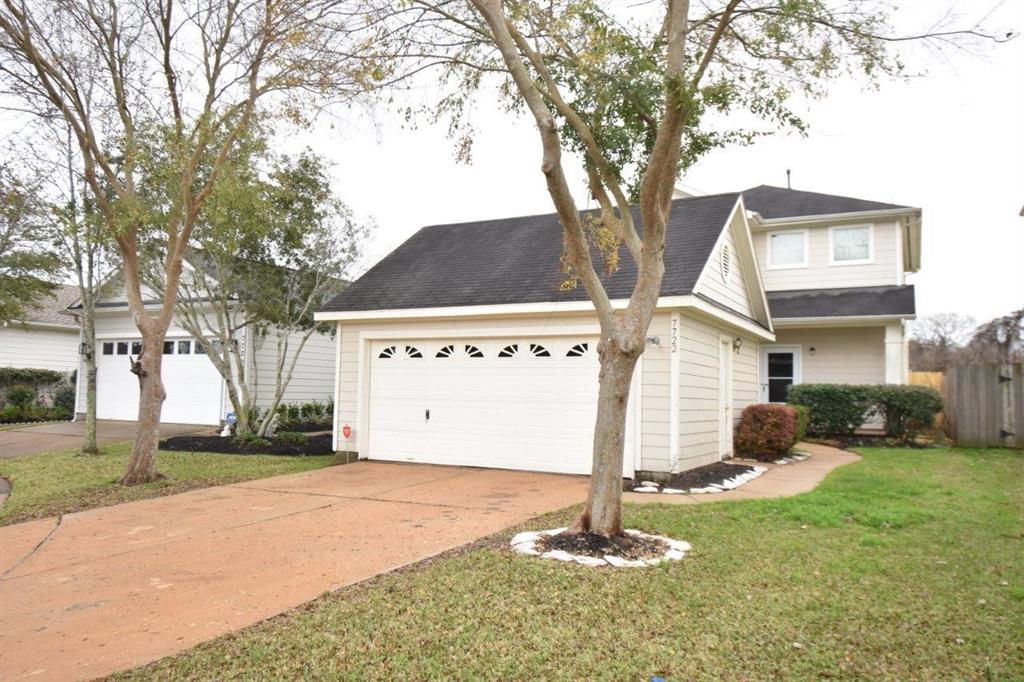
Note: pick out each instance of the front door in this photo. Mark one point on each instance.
(780, 369)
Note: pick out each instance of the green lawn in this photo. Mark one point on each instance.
(62, 482)
(908, 564)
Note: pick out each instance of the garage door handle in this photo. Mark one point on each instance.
(428, 415)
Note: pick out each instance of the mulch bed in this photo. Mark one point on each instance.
(701, 477)
(588, 544)
(315, 445)
(307, 427)
(865, 441)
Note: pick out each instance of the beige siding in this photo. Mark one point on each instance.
(819, 274)
(699, 387)
(655, 390)
(730, 291)
(313, 378)
(842, 355)
(38, 348)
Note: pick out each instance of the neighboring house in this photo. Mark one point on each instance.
(46, 339)
(460, 348)
(196, 392)
(835, 272)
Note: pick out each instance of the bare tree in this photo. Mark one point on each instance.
(627, 95)
(937, 339)
(196, 74)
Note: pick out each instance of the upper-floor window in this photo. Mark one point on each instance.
(787, 249)
(850, 245)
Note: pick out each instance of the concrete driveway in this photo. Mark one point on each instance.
(32, 440)
(108, 589)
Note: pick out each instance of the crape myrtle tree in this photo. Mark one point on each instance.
(273, 243)
(200, 72)
(635, 95)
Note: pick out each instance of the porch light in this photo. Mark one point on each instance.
(737, 343)
(654, 340)
(813, 351)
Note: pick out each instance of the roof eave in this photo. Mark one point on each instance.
(841, 320)
(759, 221)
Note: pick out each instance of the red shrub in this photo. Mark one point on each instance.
(766, 431)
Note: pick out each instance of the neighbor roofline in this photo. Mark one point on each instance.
(41, 325)
(690, 301)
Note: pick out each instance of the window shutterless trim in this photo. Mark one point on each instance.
(787, 266)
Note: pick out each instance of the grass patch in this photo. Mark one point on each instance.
(894, 567)
(65, 481)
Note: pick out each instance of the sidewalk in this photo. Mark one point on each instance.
(781, 480)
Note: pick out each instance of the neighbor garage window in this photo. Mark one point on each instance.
(108, 348)
(850, 245)
(787, 249)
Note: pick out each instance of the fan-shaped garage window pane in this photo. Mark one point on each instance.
(388, 352)
(539, 351)
(577, 351)
(473, 352)
(445, 352)
(509, 351)
(413, 352)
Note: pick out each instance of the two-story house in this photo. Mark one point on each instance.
(835, 271)
(461, 346)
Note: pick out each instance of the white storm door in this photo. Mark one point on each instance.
(780, 369)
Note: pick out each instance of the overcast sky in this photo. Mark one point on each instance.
(950, 142)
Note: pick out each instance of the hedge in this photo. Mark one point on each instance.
(907, 409)
(840, 409)
(31, 376)
(836, 409)
(766, 431)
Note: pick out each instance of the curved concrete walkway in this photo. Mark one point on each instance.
(781, 480)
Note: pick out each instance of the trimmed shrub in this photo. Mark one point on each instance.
(766, 431)
(21, 396)
(64, 398)
(803, 418)
(836, 409)
(10, 414)
(907, 409)
(29, 375)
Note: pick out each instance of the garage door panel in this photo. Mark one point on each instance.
(521, 412)
(191, 382)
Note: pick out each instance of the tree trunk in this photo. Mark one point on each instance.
(142, 461)
(89, 446)
(602, 514)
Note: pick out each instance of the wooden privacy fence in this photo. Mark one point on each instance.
(985, 404)
(931, 380)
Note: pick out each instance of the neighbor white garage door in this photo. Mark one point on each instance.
(192, 383)
(508, 403)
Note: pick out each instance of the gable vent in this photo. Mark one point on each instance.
(726, 264)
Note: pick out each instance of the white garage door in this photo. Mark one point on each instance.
(192, 383)
(509, 403)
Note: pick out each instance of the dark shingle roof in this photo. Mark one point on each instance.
(779, 202)
(516, 260)
(50, 310)
(849, 302)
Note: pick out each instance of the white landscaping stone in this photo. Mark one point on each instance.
(674, 555)
(647, 484)
(680, 545)
(589, 560)
(554, 531)
(558, 554)
(672, 491)
(526, 548)
(525, 536)
(646, 489)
